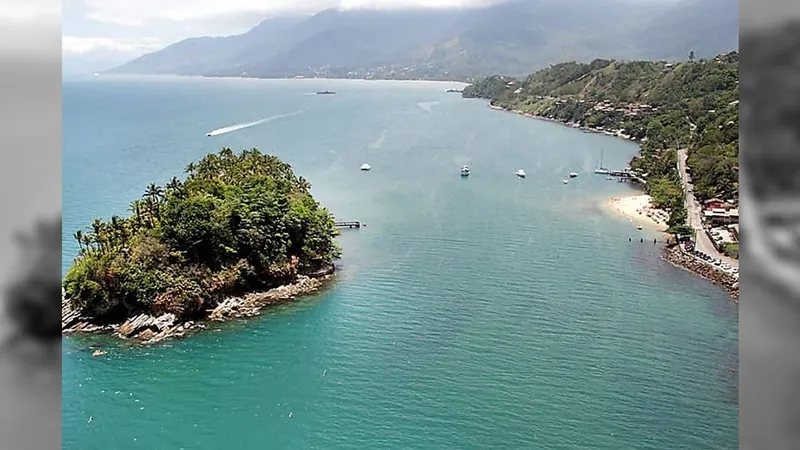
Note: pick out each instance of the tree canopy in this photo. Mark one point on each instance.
(237, 223)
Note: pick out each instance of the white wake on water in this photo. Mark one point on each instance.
(427, 106)
(240, 126)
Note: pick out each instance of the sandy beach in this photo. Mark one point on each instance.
(638, 210)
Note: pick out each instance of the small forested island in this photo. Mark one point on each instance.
(691, 105)
(240, 232)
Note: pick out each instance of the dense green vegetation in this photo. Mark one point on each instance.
(238, 223)
(731, 250)
(693, 105)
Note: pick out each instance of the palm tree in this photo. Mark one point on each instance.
(153, 196)
(304, 184)
(174, 184)
(87, 243)
(117, 230)
(78, 236)
(98, 233)
(136, 209)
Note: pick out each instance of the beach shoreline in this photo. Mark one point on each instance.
(638, 210)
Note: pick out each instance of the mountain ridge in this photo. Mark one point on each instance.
(515, 38)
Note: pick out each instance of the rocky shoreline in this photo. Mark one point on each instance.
(676, 256)
(146, 329)
(567, 124)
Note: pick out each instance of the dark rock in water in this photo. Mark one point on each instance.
(327, 270)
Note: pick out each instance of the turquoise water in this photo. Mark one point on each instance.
(488, 312)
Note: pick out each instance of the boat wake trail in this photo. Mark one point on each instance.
(427, 106)
(240, 126)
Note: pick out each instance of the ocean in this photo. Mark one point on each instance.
(481, 312)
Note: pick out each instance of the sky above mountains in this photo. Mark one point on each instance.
(105, 33)
(108, 32)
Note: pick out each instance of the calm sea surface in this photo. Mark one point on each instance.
(488, 312)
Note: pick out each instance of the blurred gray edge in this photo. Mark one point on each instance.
(769, 313)
(30, 195)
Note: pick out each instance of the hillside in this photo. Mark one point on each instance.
(514, 37)
(666, 106)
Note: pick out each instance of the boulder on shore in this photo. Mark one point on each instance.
(135, 325)
(727, 281)
(148, 329)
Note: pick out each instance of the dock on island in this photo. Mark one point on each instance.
(349, 224)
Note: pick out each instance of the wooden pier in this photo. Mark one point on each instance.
(620, 173)
(349, 224)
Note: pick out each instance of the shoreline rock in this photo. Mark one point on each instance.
(674, 255)
(146, 329)
(566, 124)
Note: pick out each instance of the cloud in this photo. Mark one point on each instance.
(74, 45)
(139, 12)
(19, 11)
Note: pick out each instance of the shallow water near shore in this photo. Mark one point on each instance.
(479, 312)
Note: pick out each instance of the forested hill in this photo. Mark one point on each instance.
(692, 104)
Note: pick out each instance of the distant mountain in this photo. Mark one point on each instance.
(706, 27)
(514, 38)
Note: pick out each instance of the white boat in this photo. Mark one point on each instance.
(366, 166)
(96, 74)
(573, 175)
(565, 181)
(601, 169)
(521, 173)
(465, 170)
(638, 227)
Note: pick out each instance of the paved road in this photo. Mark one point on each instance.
(694, 211)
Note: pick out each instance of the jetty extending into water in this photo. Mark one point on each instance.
(627, 174)
(349, 224)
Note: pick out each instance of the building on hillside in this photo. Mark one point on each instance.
(716, 203)
(718, 216)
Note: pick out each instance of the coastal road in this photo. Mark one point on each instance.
(694, 212)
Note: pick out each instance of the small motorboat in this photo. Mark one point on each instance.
(465, 170)
(521, 173)
(208, 134)
(639, 227)
(573, 175)
(565, 181)
(365, 167)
